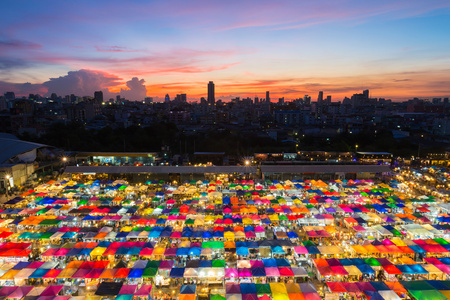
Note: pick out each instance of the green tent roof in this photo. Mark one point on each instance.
(45, 236)
(153, 264)
(263, 288)
(218, 263)
(150, 272)
(441, 241)
(372, 262)
(50, 222)
(427, 295)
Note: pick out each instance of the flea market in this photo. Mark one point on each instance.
(225, 239)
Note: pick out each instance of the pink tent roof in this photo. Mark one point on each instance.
(61, 252)
(128, 289)
(175, 235)
(443, 268)
(146, 251)
(311, 296)
(166, 264)
(245, 272)
(21, 292)
(257, 264)
(6, 290)
(81, 273)
(285, 271)
(231, 273)
(272, 272)
(53, 298)
(170, 251)
(145, 290)
(52, 290)
(259, 229)
(301, 250)
(358, 228)
(35, 265)
(50, 252)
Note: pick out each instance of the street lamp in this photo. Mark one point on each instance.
(356, 148)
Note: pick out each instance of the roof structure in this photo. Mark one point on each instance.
(160, 169)
(325, 169)
(11, 146)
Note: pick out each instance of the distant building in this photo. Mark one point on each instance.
(10, 96)
(179, 117)
(376, 158)
(181, 98)
(148, 100)
(98, 96)
(3, 104)
(320, 97)
(215, 158)
(267, 96)
(211, 93)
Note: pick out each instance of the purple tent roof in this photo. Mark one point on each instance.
(233, 288)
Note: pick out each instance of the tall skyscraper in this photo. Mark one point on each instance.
(320, 97)
(267, 96)
(211, 93)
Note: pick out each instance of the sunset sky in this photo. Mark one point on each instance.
(397, 49)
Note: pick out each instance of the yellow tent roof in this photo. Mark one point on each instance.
(352, 270)
(278, 288)
(159, 251)
(9, 275)
(98, 251)
(66, 273)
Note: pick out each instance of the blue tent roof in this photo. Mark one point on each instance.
(195, 251)
(136, 273)
(270, 262)
(248, 288)
(242, 251)
(366, 269)
(188, 289)
(177, 272)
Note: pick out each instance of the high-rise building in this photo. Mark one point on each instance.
(211, 93)
(320, 97)
(98, 96)
(167, 98)
(267, 96)
(366, 94)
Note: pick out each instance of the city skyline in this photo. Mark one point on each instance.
(397, 50)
